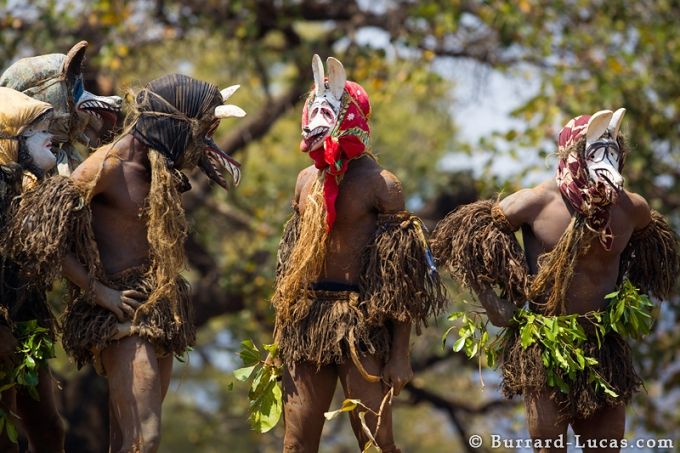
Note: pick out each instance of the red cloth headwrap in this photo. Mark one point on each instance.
(590, 199)
(347, 141)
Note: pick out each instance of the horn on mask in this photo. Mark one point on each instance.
(317, 69)
(229, 110)
(615, 123)
(597, 126)
(336, 77)
(73, 63)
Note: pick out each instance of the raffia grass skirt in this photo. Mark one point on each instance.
(88, 328)
(335, 322)
(524, 374)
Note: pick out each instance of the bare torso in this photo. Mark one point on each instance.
(366, 190)
(118, 202)
(544, 216)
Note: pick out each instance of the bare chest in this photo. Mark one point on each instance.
(544, 233)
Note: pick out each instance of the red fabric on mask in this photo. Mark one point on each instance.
(590, 199)
(347, 141)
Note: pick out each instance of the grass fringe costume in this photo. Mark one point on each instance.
(477, 244)
(21, 299)
(172, 116)
(324, 323)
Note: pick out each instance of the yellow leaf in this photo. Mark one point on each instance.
(347, 406)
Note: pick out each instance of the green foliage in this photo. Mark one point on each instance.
(561, 338)
(473, 336)
(33, 349)
(266, 397)
(630, 313)
(6, 425)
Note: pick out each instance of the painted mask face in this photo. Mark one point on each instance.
(100, 113)
(214, 162)
(322, 113)
(602, 155)
(602, 159)
(38, 141)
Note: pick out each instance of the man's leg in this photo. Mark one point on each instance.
(371, 394)
(307, 394)
(165, 368)
(606, 425)
(134, 377)
(41, 421)
(542, 418)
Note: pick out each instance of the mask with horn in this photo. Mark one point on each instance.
(177, 116)
(335, 127)
(79, 116)
(592, 155)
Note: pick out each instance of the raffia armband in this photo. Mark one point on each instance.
(651, 260)
(477, 245)
(399, 279)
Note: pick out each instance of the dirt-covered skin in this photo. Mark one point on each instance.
(543, 215)
(138, 379)
(366, 190)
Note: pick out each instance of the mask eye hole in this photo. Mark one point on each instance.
(78, 89)
(602, 150)
(327, 114)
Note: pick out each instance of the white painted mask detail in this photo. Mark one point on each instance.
(98, 106)
(229, 110)
(603, 155)
(39, 144)
(322, 114)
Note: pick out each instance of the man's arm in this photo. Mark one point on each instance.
(641, 212)
(397, 371)
(519, 208)
(303, 178)
(98, 174)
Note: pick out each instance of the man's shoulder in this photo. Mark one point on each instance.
(305, 176)
(539, 195)
(371, 171)
(307, 172)
(104, 166)
(634, 200)
(525, 205)
(636, 207)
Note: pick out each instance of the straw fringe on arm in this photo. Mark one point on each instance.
(399, 281)
(651, 260)
(477, 245)
(51, 221)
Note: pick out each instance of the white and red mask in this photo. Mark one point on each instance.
(322, 113)
(335, 127)
(603, 157)
(590, 177)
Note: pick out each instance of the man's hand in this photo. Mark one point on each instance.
(398, 372)
(123, 304)
(499, 311)
(8, 348)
